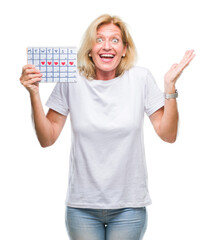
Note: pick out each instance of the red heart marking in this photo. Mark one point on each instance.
(49, 63)
(55, 63)
(63, 63)
(43, 63)
(71, 63)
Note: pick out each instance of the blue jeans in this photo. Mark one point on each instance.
(106, 224)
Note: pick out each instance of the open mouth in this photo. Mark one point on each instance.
(107, 56)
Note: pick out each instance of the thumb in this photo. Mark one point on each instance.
(174, 66)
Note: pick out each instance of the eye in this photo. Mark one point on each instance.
(115, 40)
(99, 40)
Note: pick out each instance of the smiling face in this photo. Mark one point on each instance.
(107, 51)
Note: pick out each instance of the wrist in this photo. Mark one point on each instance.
(171, 95)
(34, 95)
(169, 88)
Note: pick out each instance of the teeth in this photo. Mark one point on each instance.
(107, 55)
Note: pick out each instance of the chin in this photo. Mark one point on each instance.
(106, 68)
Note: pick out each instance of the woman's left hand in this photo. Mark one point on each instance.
(176, 70)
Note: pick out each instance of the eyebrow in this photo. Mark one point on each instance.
(115, 34)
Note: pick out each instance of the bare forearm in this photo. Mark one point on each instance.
(43, 126)
(169, 121)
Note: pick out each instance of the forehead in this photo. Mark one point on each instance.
(109, 28)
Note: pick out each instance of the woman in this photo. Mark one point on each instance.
(107, 193)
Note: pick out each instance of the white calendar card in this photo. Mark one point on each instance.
(57, 64)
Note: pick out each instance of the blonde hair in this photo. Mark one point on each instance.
(86, 65)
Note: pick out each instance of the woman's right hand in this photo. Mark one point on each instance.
(30, 78)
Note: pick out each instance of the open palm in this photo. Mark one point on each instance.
(176, 70)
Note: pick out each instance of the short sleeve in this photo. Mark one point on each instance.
(154, 98)
(58, 100)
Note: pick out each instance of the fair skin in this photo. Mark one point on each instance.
(48, 127)
(165, 120)
(107, 51)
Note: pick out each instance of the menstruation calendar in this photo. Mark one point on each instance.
(57, 64)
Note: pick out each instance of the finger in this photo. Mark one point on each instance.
(174, 66)
(31, 71)
(186, 59)
(27, 67)
(27, 77)
(27, 72)
(187, 54)
(32, 76)
(34, 80)
(31, 81)
(187, 62)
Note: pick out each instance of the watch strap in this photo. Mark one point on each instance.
(172, 95)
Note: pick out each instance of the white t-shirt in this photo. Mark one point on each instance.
(107, 159)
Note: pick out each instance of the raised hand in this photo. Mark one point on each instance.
(176, 70)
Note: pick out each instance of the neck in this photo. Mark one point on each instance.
(102, 75)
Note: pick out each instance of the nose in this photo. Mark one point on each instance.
(107, 45)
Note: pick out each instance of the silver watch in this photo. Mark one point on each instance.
(173, 95)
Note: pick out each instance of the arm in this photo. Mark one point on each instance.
(165, 120)
(47, 127)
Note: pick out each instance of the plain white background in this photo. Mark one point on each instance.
(33, 180)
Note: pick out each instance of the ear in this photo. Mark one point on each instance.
(124, 50)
